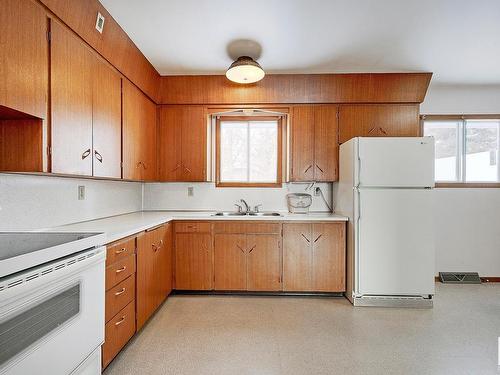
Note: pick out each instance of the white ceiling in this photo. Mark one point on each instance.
(458, 40)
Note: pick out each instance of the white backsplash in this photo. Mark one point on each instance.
(174, 196)
(34, 202)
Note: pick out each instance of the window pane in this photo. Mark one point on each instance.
(445, 135)
(249, 151)
(234, 151)
(482, 138)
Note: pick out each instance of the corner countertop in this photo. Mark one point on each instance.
(120, 226)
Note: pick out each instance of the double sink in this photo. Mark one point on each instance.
(247, 214)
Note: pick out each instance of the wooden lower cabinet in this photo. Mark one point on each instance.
(264, 262)
(193, 261)
(154, 275)
(230, 262)
(314, 257)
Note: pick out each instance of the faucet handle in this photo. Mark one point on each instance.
(256, 208)
(240, 209)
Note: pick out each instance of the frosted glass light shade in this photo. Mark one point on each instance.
(245, 70)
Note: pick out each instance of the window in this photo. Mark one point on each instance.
(467, 148)
(248, 151)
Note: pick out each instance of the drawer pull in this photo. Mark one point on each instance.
(121, 269)
(120, 321)
(120, 251)
(191, 227)
(120, 292)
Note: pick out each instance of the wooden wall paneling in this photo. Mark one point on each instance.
(21, 145)
(297, 257)
(297, 89)
(230, 262)
(113, 44)
(329, 257)
(378, 120)
(264, 262)
(71, 103)
(24, 69)
(326, 147)
(106, 120)
(302, 143)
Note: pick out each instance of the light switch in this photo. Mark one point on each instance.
(190, 191)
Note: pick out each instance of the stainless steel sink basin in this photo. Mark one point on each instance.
(246, 214)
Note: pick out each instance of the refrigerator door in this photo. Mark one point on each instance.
(396, 162)
(395, 242)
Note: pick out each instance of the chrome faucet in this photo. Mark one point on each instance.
(247, 207)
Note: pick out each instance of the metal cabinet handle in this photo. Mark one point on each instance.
(307, 239)
(98, 156)
(120, 321)
(120, 251)
(309, 167)
(239, 247)
(176, 167)
(120, 292)
(187, 169)
(85, 153)
(121, 269)
(382, 131)
(253, 247)
(321, 170)
(141, 163)
(372, 130)
(316, 240)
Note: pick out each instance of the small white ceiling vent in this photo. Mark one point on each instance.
(99, 24)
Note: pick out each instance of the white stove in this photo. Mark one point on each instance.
(51, 303)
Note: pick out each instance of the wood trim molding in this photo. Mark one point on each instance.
(469, 185)
(297, 89)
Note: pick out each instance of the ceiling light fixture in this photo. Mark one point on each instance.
(245, 70)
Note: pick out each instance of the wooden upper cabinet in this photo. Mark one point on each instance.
(302, 143)
(106, 120)
(24, 69)
(139, 134)
(378, 120)
(314, 144)
(71, 103)
(182, 143)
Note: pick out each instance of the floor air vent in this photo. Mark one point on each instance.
(459, 277)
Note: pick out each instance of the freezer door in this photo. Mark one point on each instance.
(396, 162)
(395, 252)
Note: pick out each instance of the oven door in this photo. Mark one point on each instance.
(52, 316)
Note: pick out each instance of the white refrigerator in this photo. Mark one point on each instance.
(386, 189)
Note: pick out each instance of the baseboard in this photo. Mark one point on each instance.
(485, 279)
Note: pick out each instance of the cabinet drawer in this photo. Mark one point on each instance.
(119, 250)
(119, 271)
(250, 228)
(117, 333)
(189, 227)
(119, 296)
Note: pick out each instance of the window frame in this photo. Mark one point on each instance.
(462, 145)
(279, 172)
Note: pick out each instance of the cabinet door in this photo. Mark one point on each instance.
(302, 143)
(328, 270)
(165, 261)
(169, 145)
(326, 147)
(182, 143)
(193, 261)
(230, 262)
(378, 120)
(264, 262)
(139, 134)
(71, 103)
(147, 277)
(106, 121)
(297, 257)
(194, 144)
(24, 69)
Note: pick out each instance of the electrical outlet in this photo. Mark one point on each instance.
(317, 191)
(81, 192)
(190, 191)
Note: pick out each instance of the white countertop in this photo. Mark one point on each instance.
(120, 226)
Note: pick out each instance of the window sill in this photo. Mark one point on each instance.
(249, 185)
(468, 185)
